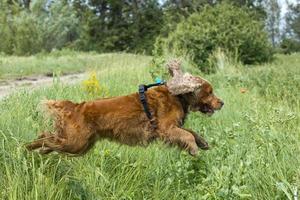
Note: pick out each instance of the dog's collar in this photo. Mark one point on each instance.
(143, 98)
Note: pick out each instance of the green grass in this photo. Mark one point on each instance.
(255, 141)
(64, 62)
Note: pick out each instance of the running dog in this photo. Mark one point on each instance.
(124, 119)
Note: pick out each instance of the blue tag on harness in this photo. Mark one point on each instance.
(158, 80)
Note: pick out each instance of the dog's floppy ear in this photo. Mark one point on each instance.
(174, 68)
(181, 83)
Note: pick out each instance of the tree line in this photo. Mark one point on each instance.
(32, 26)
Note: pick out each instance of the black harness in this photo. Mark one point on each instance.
(143, 99)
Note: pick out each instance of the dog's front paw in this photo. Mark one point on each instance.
(193, 152)
(201, 143)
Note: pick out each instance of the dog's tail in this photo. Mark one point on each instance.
(56, 108)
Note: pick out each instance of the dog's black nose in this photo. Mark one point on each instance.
(222, 103)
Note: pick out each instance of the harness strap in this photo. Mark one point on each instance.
(143, 98)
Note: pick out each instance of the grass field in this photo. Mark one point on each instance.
(255, 138)
(64, 62)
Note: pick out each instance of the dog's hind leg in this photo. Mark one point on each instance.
(39, 142)
(77, 140)
(45, 150)
(72, 133)
(49, 143)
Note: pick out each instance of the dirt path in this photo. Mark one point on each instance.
(10, 86)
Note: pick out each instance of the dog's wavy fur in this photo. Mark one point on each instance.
(79, 125)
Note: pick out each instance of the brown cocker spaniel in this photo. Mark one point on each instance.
(79, 125)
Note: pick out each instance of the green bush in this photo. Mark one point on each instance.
(27, 36)
(40, 30)
(224, 26)
(6, 35)
(289, 46)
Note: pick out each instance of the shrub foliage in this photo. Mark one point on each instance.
(224, 26)
(289, 45)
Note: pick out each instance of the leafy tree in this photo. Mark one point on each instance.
(256, 6)
(293, 20)
(120, 25)
(31, 26)
(26, 35)
(291, 37)
(26, 3)
(176, 11)
(273, 20)
(289, 45)
(224, 26)
(60, 26)
(5, 30)
(48, 25)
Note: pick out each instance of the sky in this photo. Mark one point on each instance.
(284, 5)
